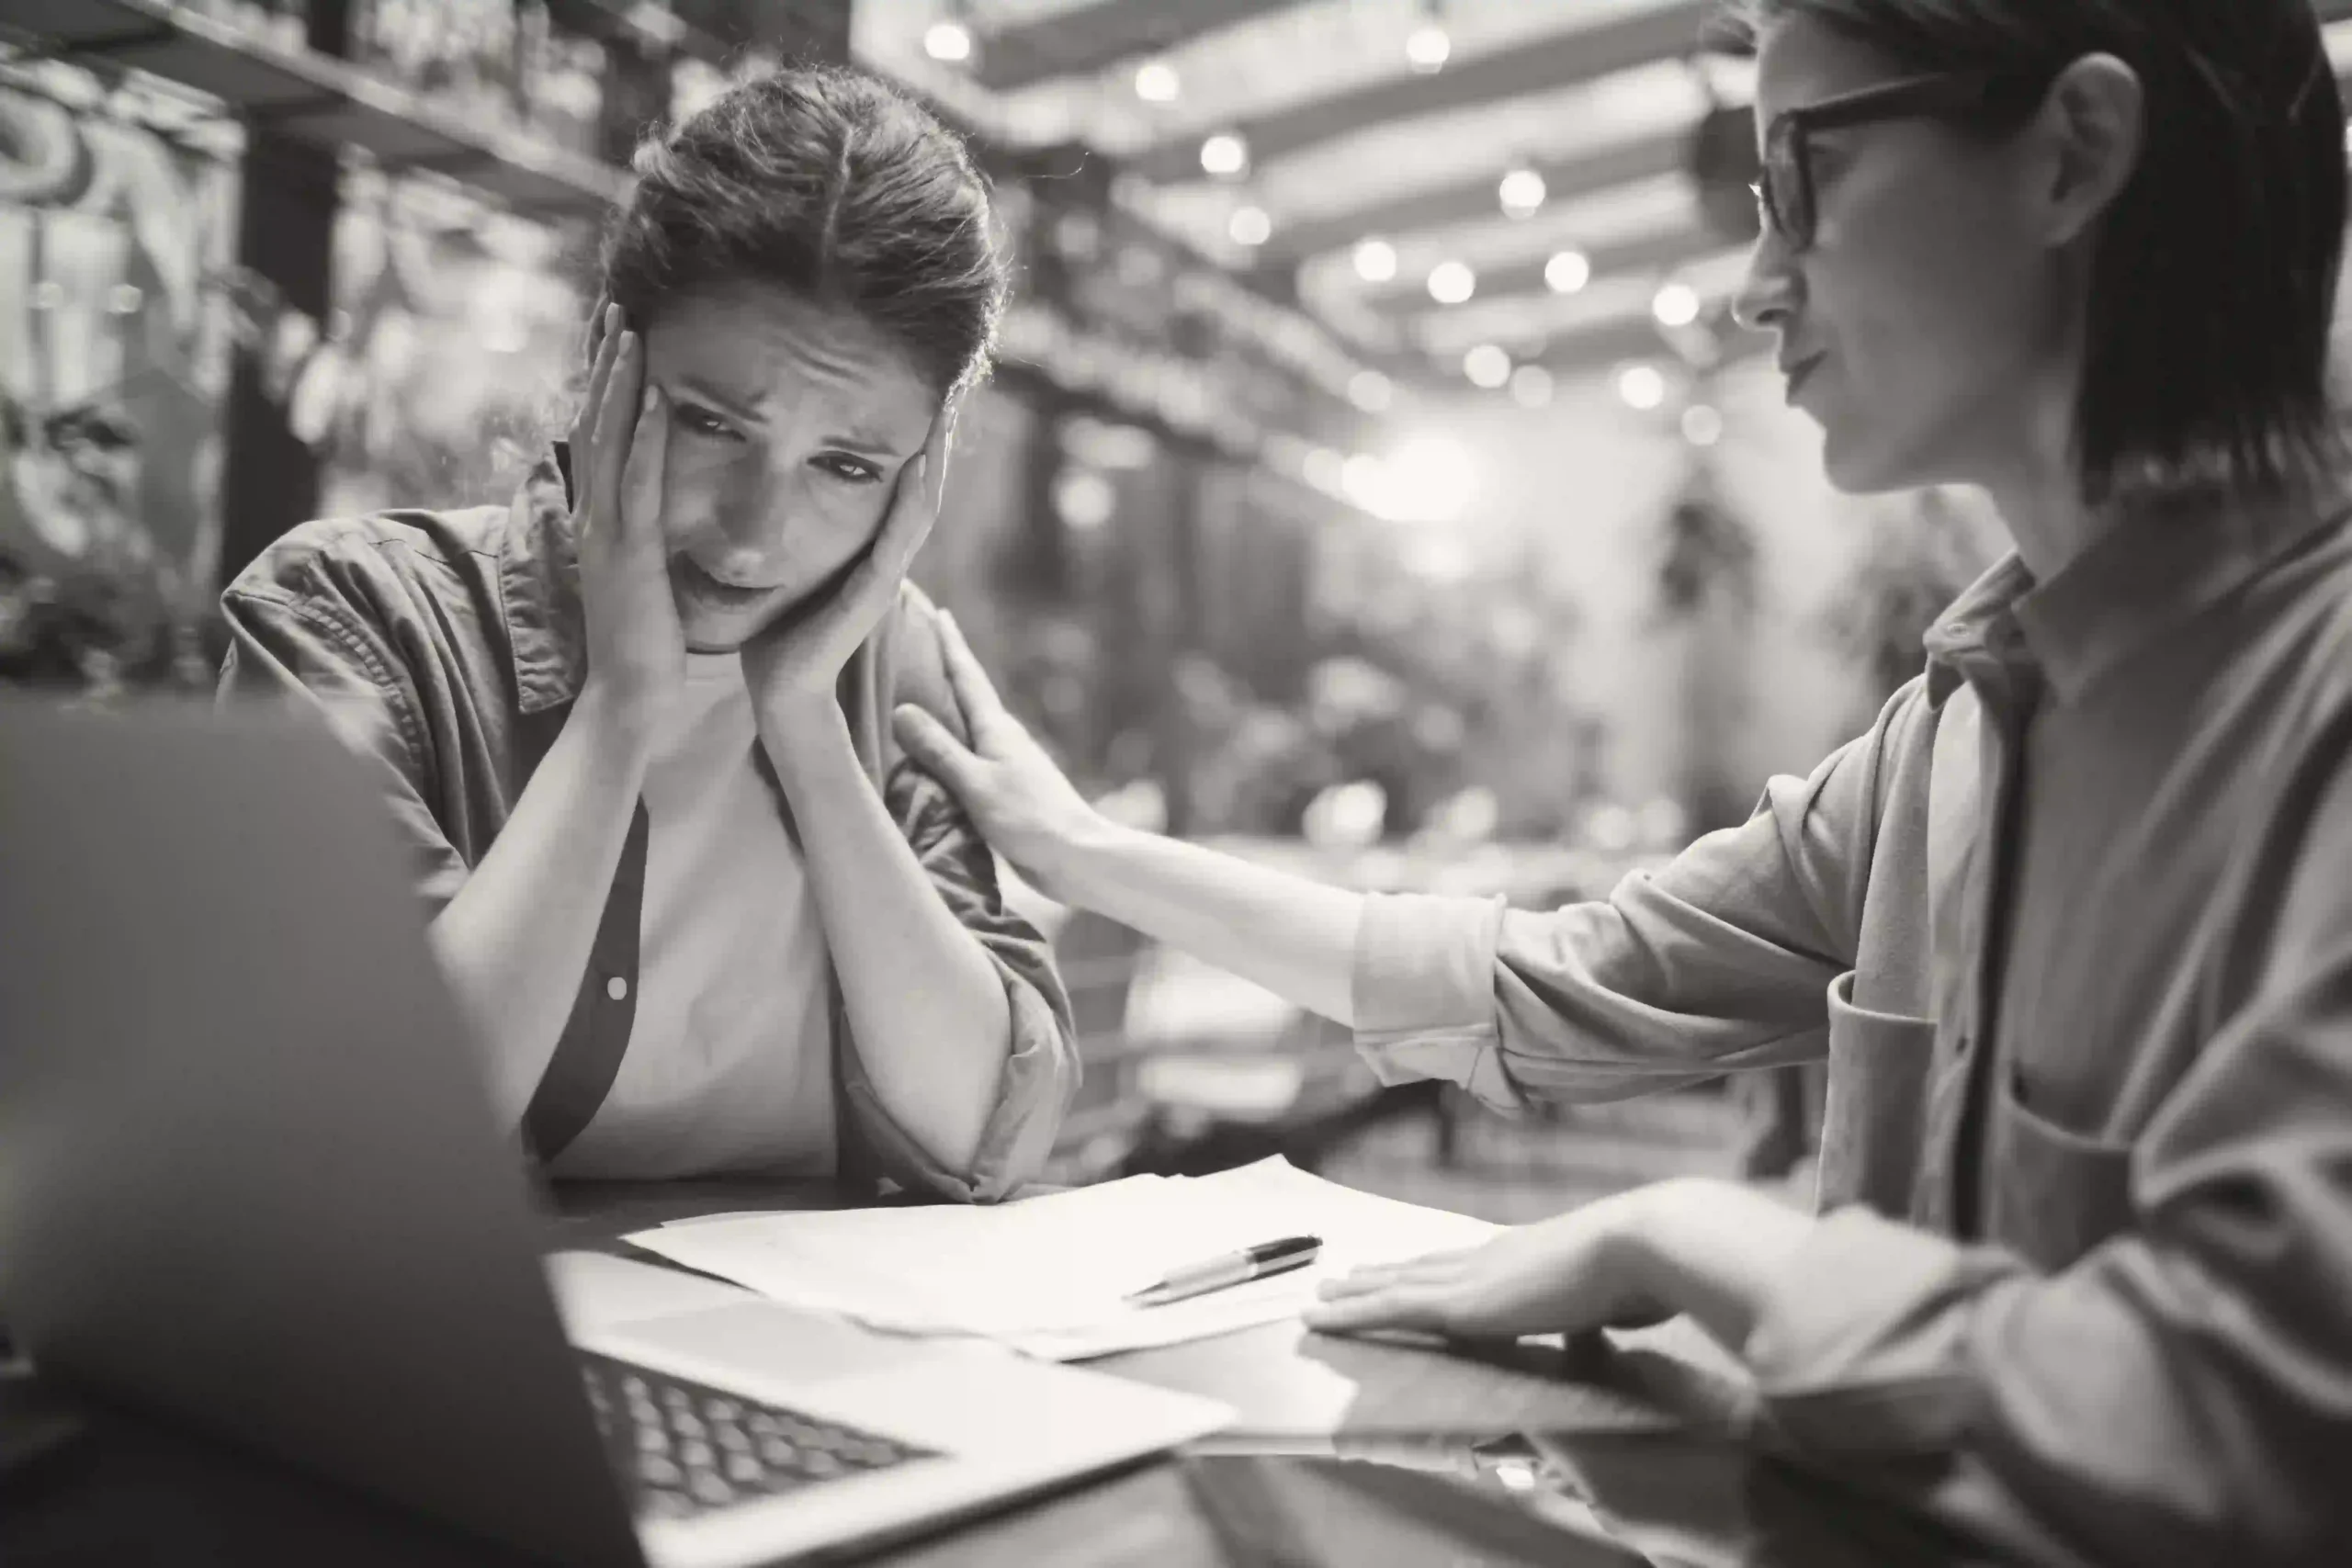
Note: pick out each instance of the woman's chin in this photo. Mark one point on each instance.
(1853, 468)
(709, 633)
(711, 629)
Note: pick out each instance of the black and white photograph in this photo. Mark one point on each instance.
(1100, 783)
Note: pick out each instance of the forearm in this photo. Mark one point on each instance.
(515, 938)
(928, 1008)
(1295, 936)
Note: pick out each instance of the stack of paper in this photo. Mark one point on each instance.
(1048, 1275)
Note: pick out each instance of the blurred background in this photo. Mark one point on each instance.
(1373, 482)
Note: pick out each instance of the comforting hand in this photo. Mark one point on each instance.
(797, 661)
(637, 653)
(1017, 798)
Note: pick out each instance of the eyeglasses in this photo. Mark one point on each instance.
(1784, 196)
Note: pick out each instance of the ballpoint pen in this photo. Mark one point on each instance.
(1232, 1268)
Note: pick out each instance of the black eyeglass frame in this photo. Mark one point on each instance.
(1785, 199)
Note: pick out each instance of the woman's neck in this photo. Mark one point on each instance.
(2047, 519)
(2037, 487)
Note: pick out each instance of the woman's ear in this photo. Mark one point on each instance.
(2093, 119)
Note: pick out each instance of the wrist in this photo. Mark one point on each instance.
(1713, 1249)
(799, 728)
(788, 707)
(623, 728)
(1084, 852)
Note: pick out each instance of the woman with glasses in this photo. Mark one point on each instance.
(2072, 923)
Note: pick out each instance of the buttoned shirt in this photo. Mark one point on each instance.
(2073, 926)
(447, 647)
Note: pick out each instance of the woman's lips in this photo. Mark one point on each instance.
(1798, 374)
(700, 586)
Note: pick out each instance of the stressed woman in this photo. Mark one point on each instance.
(2072, 923)
(704, 917)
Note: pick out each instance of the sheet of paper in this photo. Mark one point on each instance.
(1048, 1275)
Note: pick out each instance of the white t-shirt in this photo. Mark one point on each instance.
(729, 1065)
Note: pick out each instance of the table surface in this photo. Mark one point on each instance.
(1345, 1452)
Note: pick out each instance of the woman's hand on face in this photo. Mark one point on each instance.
(1562, 1275)
(1019, 800)
(636, 651)
(797, 661)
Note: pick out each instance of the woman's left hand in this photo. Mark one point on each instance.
(798, 660)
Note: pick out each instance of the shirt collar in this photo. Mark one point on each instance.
(539, 584)
(1976, 638)
(2156, 564)
(2155, 567)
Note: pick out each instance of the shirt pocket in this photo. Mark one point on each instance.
(1871, 1130)
(2053, 1194)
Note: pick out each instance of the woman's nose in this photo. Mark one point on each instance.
(751, 536)
(1768, 294)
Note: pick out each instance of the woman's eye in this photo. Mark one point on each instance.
(702, 422)
(851, 471)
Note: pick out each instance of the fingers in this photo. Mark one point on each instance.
(1362, 1281)
(935, 456)
(983, 709)
(617, 417)
(648, 450)
(592, 405)
(1417, 1307)
(868, 593)
(912, 512)
(928, 743)
(1431, 1268)
(914, 506)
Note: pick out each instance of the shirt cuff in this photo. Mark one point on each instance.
(1424, 992)
(1860, 1346)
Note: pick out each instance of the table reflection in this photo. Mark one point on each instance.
(1649, 1455)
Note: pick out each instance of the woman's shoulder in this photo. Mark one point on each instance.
(356, 559)
(917, 662)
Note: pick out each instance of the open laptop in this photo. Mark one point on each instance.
(250, 1178)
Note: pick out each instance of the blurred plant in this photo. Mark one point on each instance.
(1706, 599)
(1707, 558)
(85, 600)
(1915, 562)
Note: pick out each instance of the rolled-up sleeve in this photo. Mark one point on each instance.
(2182, 1394)
(1720, 960)
(1041, 1066)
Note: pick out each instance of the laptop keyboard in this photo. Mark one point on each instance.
(684, 1448)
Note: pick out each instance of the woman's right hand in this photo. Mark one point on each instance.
(637, 650)
(1020, 801)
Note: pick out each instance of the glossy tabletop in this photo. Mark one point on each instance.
(1344, 1452)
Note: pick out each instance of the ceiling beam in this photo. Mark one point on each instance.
(1092, 38)
(1474, 201)
(1542, 65)
(1658, 251)
(1607, 344)
(1566, 179)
